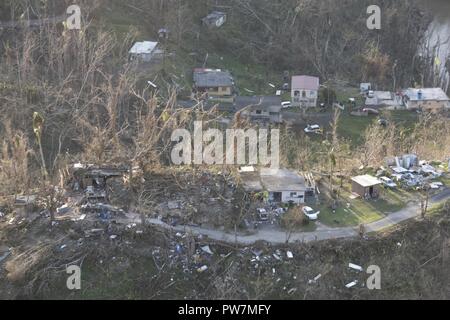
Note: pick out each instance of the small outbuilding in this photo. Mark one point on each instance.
(215, 19)
(366, 186)
(143, 51)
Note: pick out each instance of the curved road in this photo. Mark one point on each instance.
(279, 237)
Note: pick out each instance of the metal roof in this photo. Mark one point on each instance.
(305, 82)
(279, 180)
(433, 94)
(366, 181)
(143, 47)
(207, 78)
(272, 180)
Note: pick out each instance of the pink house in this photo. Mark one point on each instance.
(305, 91)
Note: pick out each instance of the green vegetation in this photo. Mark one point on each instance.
(356, 211)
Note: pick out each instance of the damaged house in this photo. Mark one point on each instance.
(265, 114)
(282, 186)
(217, 84)
(93, 180)
(430, 99)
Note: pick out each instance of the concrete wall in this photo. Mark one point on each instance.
(304, 98)
(286, 197)
(428, 105)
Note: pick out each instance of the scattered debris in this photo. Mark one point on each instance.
(351, 284)
(277, 257)
(173, 205)
(207, 249)
(4, 253)
(355, 267)
(290, 255)
(202, 269)
(64, 209)
(292, 291)
(316, 278)
(25, 200)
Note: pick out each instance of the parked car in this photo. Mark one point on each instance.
(310, 213)
(388, 183)
(286, 104)
(315, 128)
(262, 214)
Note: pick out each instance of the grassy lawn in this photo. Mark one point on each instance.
(253, 77)
(361, 211)
(310, 227)
(353, 128)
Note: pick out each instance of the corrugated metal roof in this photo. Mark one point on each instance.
(433, 94)
(366, 181)
(205, 78)
(143, 47)
(305, 82)
(279, 180)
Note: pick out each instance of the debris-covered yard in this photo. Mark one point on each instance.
(143, 262)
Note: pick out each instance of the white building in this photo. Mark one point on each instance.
(305, 91)
(282, 185)
(143, 51)
(431, 99)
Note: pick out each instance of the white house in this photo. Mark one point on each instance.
(432, 99)
(143, 51)
(282, 185)
(305, 91)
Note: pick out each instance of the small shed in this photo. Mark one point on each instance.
(366, 186)
(215, 19)
(143, 51)
(365, 87)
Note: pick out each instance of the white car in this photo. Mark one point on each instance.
(262, 214)
(286, 104)
(310, 213)
(371, 94)
(388, 183)
(315, 128)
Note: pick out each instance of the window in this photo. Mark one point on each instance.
(258, 112)
(296, 93)
(293, 194)
(304, 94)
